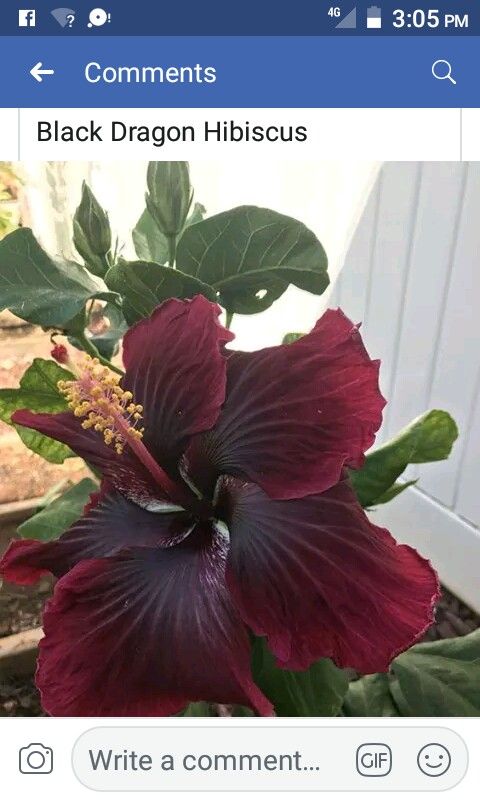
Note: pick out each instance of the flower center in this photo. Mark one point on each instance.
(97, 397)
(107, 408)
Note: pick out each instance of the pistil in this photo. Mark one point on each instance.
(107, 408)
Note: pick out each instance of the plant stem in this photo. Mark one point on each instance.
(172, 249)
(92, 351)
(228, 320)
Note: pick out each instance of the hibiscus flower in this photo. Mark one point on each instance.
(225, 509)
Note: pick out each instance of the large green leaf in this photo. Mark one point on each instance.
(318, 691)
(430, 437)
(370, 697)
(149, 241)
(143, 285)
(38, 392)
(199, 709)
(250, 255)
(39, 289)
(53, 520)
(435, 679)
(439, 679)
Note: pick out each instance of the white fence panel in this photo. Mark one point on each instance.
(413, 274)
(457, 362)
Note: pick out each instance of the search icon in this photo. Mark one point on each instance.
(442, 71)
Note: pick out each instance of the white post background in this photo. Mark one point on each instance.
(412, 274)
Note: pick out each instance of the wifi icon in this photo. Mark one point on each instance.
(64, 16)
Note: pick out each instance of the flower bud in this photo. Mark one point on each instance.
(169, 195)
(91, 229)
(60, 354)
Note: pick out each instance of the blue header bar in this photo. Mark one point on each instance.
(229, 72)
(338, 18)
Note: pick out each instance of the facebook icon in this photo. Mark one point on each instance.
(26, 18)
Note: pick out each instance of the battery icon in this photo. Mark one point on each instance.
(374, 17)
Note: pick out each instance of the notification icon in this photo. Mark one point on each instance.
(98, 17)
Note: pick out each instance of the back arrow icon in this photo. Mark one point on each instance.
(37, 72)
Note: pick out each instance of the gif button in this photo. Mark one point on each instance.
(374, 760)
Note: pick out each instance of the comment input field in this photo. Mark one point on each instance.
(269, 759)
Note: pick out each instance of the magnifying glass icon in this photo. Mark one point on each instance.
(442, 71)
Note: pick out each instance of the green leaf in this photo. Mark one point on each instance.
(251, 255)
(39, 289)
(428, 438)
(370, 697)
(53, 520)
(394, 491)
(200, 709)
(434, 679)
(290, 338)
(439, 679)
(242, 711)
(318, 691)
(38, 392)
(149, 241)
(143, 285)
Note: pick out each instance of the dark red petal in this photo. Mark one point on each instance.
(125, 472)
(294, 414)
(110, 525)
(176, 370)
(144, 633)
(318, 579)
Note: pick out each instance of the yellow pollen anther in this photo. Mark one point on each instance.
(107, 408)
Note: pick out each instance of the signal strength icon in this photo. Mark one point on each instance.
(64, 16)
(349, 21)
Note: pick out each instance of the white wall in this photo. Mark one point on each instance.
(328, 196)
(412, 274)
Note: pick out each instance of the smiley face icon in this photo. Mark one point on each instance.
(434, 760)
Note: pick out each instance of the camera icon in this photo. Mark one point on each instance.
(35, 759)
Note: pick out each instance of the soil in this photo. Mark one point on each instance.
(19, 698)
(21, 607)
(20, 610)
(453, 618)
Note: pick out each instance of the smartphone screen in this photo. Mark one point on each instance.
(239, 398)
